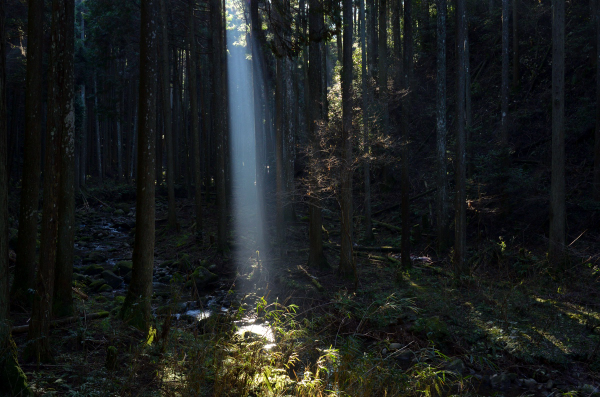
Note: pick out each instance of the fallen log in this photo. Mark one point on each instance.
(93, 316)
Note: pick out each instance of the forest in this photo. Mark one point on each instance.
(300, 198)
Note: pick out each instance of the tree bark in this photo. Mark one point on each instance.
(557, 250)
(366, 95)
(167, 116)
(347, 266)
(192, 73)
(12, 380)
(597, 137)
(406, 106)
(98, 139)
(504, 87)
(316, 257)
(136, 308)
(442, 183)
(32, 147)
(63, 297)
(460, 209)
(60, 123)
(279, 126)
(515, 20)
(383, 75)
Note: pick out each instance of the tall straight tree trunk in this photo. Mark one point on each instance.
(597, 138)
(347, 265)
(84, 129)
(406, 105)
(504, 87)
(460, 209)
(442, 183)
(63, 300)
(194, 119)
(60, 123)
(28, 214)
(12, 380)
(167, 117)
(316, 257)
(396, 34)
(557, 251)
(383, 76)
(279, 126)
(366, 95)
(98, 140)
(372, 37)
(136, 308)
(515, 20)
(258, 92)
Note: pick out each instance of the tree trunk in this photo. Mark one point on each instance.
(60, 123)
(98, 140)
(84, 129)
(28, 214)
(194, 118)
(597, 138)
(460, 209)
(136, 308)
(316, 257)
(167, 116)
(347, 266)
(515, 20)
(279, 125)
(383, 76)
(442, 183)
(406, 105)
(12, 380)
(372, 36)
(557, 251)
(63, 301)
(366, 95)
(504, 87)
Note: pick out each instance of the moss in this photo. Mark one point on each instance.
(13, 381)
(96, 285)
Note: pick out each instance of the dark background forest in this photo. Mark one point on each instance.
(299, 197)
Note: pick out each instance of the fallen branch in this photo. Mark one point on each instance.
(80, 293)
(93, 316)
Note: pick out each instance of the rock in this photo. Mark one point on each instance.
(119, 212)
(529, 383)
(588, 390)
(457, 366)
(395, 346)
(105, 288)
(127, 278)
(112, 279)
(500, 381)
(95, 285)
(201, 278)
(79, 277)
(384, 352)
(123, 267)
(548, 385)
(94, 256)
(92, 270)
(405, 356)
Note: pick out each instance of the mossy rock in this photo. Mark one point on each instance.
(112, 279)
(80, 277)
(123, 267)
(105, 288)
(201, 278)
(433, 327)
(92, 270)
(101, 299)
(108, 209)
(184, 263)
(119, 299)
(119, 212)
(94, 256)
(96, 285)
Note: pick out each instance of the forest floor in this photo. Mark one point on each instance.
(242, 324)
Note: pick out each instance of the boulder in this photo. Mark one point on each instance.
(112, 279)
(105, 288)
(123, 267)
(92, 270)
(119, 212)
(501, 381)
(94, 256)
(200, 278)
(457, 366)
(96, 285)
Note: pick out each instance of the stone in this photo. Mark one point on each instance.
(79, 277)
(105, 288)
(500, 381)
(95, 285)
(395, 346)
(92, 270)
(94, 256)
(112, 279)
(119, 212)
(457, 366)
(123, 267)
(200, 278)
(529, 383)
(588, 390)
(548, 385)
